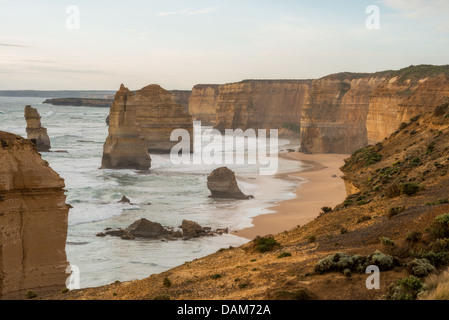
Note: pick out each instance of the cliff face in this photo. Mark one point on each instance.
(203, 103)
(33, 221)
(182, 97)
(333, 119)
(264, 104)
(124, 147)
(35, 132)
(398, 99)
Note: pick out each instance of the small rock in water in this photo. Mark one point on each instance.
(125, 200)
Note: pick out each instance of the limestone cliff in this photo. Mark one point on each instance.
(124, 147)
(203, 103)
(33, 221)
(262, 104)
(182, 97)
(404, 95)
(35, 132)
(333, 119)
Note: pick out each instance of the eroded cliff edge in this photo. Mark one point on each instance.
(33, 221)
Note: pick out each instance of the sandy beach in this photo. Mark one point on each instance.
(323, 187)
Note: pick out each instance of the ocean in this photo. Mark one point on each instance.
(167, 194)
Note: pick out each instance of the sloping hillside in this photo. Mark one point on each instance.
(396, 217)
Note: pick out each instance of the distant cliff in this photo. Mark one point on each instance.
(339, 113)
(182, 97)
(203, 103)
(251, 104)
(33, 221)
(78, 102)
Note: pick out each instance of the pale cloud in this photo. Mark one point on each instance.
(417, 9)
(187, 11)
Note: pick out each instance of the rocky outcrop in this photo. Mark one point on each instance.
(35, 132)
(145, 117)
(144, 228)
(33, 221)
(222, 184)
(80, 102)
(203, 103)
(124, 147)
(404, 95)
(333, 119)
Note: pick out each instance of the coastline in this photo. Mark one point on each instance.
(322, 187)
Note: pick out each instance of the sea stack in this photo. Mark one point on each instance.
(35, 132)
(124, 147)
(33, 221)
(222, 184)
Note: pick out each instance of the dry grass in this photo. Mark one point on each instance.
(437, 287)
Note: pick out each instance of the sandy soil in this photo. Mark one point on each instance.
(323, 187)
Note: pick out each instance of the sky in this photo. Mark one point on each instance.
(99, 44)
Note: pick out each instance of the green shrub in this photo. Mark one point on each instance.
(30, 294)
(440, 227)
(284, 255)
(420, 267)
(363, 219)
(395, 211)
(409, 188)
(438, 202)
(387, 241)
(65, 290)
(357, 263)
(166, 282)
(415, 162)
(311, 239)
(215, 276)
(265, 244)
(414, 236)
(243, 285)
(325, 210)
(406, 289)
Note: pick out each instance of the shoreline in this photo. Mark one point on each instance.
(322, 187)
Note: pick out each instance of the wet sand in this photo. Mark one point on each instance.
(323, 188)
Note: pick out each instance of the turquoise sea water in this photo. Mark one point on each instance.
(167, 194)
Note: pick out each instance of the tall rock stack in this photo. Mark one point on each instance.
(141, 122)
(124, 147)
(35, 132)
(33, 222)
